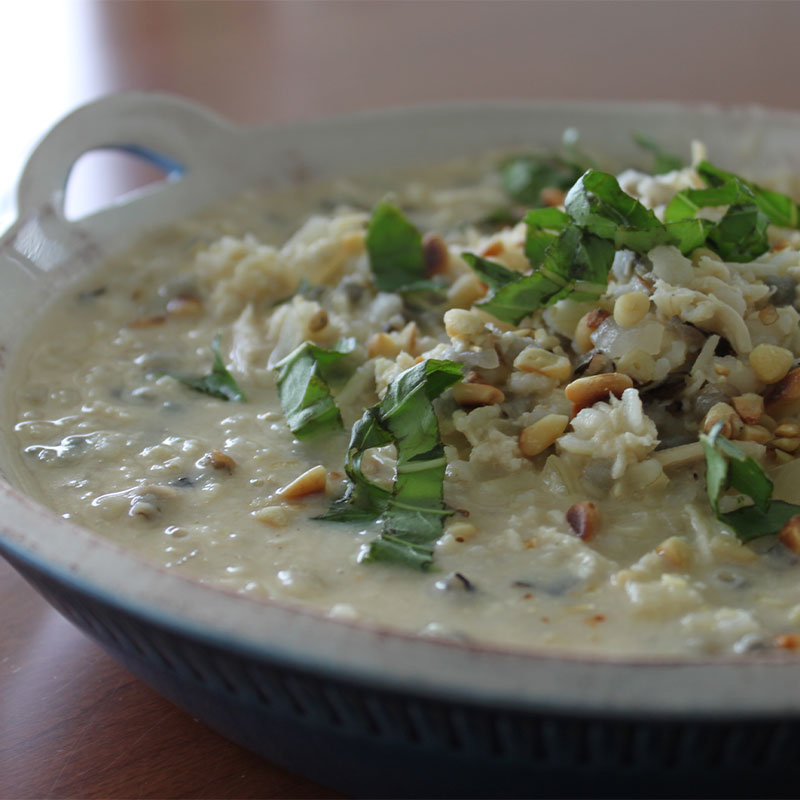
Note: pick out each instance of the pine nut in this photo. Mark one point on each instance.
(788, 429)
(585, 392)
(310, 482)
(318, 321)
(408, 338)
(783, 395)
(787, 641)
(732, 423)
(789, 534)
(459, 323)
(587, 325)
(584, 519)
(494, 248)
(184, 306)
(768, 315)
(381, 344)
(536, 359)
(462, 531)
(749, 407)
(466, 290)
(477, 394)
(770, 362)
(755, 433)
(786, 444)
(631, 308)
(676, 551)
(219, 460)
(435, 254)
(148, 322)
(538, 437)
(275, 516)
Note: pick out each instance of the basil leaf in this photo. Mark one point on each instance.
(751, 523)
(664, 162)
(395, 250)
(598, 204)
(741, 235)
(525, 176)
(413, 512)
(728, 467)
(304, 394)
(218, 383)
(780, 208)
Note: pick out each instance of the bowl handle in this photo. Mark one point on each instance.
(174, 134)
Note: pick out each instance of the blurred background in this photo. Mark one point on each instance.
(273, 60)
(72, 722)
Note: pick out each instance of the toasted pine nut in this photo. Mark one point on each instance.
(768, 315)
(219, 460)
(770, 362)
(408, 338)
(552, 196)
(435, 254)
(148, 322)
(466, 290)
(477, 394)
(749, 407)
(318, 321)
(675, 551)
(536, 359)
(587, 324)
(631, 308)
(311, 481)
(276, 516)
(381, 344)
(786, 444)
(789, 534)
(462, 531)
(184, 306)
(783, 395)
(755, 433)
(584, 519)
(461, 323)
(494, 248)
(536, 438)
(732, 422)
(788, 429)
(585, 392)
(788, 641)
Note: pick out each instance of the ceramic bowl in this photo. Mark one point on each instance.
(365, 710)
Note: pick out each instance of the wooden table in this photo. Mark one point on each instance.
(72, 722)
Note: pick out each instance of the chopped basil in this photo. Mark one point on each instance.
(525, 177)
(218, 383)
(728, 467)
(781, 209)
(597, 204)
(663, 161)
(304, 394)
(413, 511)
(395, 252)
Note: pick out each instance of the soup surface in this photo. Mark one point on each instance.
(555, 496)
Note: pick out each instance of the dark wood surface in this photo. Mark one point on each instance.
(72, 722)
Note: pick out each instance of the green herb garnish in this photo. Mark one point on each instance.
(663, 161)
(728, 467)
(218, 383)
(395, 252)
(413, 511)
(304, 394)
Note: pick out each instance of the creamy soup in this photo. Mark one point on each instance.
(513, 444)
